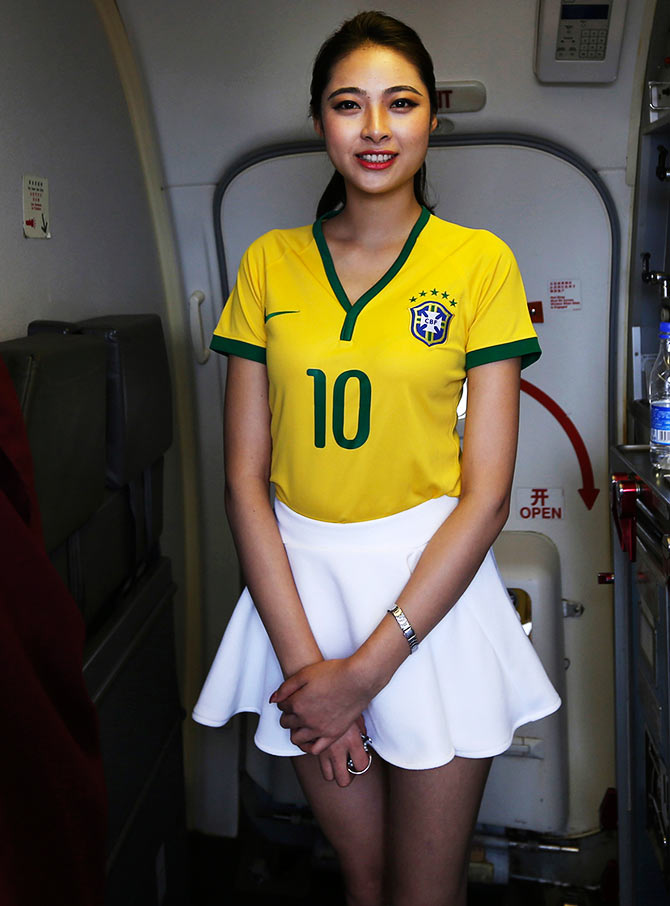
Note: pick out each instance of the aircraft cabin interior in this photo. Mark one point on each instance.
(145, 146)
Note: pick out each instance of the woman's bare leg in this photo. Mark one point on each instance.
(353, 820)
(432, 815)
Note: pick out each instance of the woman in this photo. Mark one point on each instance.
(385, 626)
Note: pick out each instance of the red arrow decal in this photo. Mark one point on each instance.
(588, 492)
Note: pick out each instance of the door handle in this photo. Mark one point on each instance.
(200, 348)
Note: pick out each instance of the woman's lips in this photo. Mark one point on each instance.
(376, 160)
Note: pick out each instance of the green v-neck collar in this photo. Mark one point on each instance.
(353, 310)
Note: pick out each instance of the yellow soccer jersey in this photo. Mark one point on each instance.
(363, 396)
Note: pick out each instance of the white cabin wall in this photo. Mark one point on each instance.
(229, 77)
(63, 116)
(226, 78)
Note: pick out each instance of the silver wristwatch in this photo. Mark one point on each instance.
(406, 628)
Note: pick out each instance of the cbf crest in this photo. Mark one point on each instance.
(430, 322)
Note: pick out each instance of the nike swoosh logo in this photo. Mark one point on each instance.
(273, 314)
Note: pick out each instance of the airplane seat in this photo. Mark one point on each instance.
(139, 433)
(114, 545)
(130, 665)
(60, 382)
(63, 327)
(139, 399)
(96, 397)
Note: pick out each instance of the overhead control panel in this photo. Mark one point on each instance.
(579, 42)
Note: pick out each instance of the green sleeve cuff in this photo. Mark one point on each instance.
(238, 347)
(528, 350)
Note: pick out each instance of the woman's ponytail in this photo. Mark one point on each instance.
(334, 195)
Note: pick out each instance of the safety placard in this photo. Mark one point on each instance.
(565, 295)
(540, 503)
(36, 221)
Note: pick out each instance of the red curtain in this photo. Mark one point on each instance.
(52, 793)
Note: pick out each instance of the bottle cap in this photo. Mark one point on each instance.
(664, 329)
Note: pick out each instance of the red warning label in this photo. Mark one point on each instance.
(565, 295)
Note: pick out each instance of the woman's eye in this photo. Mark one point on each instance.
(404, 103)
(346, 105)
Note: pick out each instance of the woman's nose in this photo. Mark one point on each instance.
(376, 127)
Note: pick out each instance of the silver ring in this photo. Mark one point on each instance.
(350, 765)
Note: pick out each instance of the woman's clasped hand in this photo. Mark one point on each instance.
(322, 706)
(320, 702)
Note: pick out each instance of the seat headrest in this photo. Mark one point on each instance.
(60, 381)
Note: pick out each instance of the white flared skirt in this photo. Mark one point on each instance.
(474, 679)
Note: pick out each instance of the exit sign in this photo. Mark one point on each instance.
(460, 97)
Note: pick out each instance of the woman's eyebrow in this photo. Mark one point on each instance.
(350, 90)
(353, 90)
(403, 88)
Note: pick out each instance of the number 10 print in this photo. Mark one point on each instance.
(339, 390)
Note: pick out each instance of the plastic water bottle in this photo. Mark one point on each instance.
(659, 403)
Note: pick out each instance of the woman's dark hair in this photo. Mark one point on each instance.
(371, 28)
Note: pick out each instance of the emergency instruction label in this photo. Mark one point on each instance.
(565, 295)
(36, 217)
